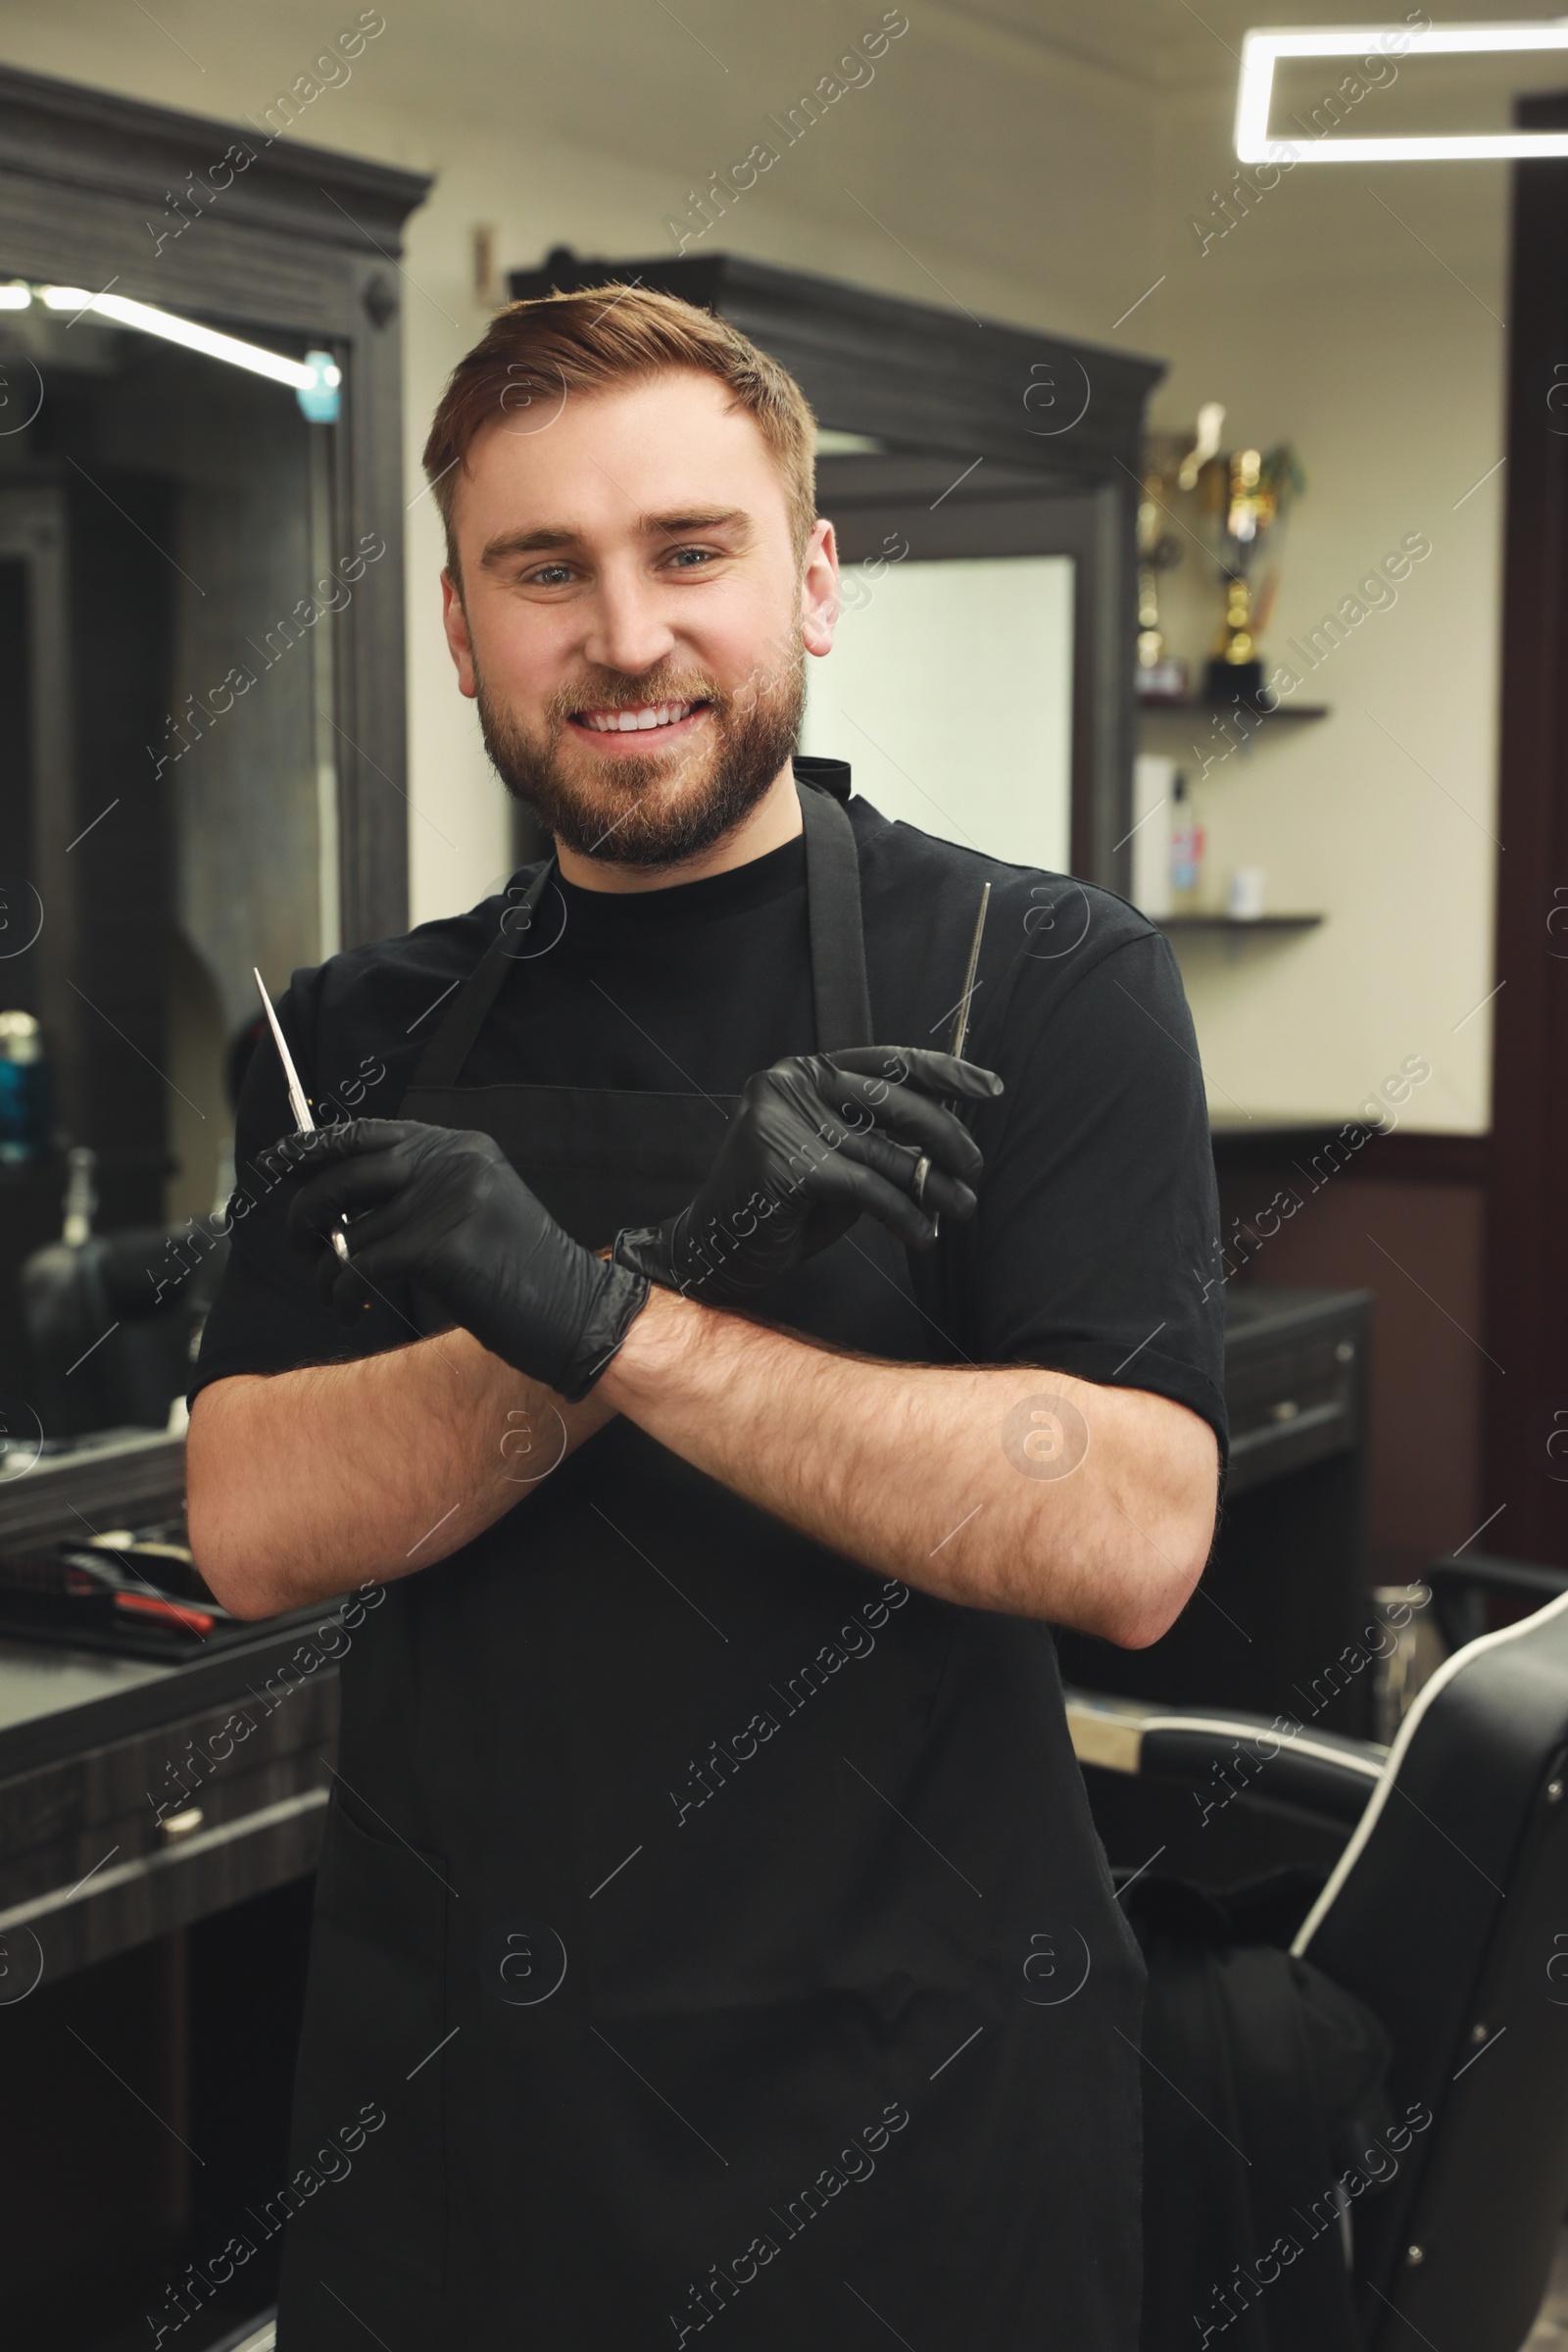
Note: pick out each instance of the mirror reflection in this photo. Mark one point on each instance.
(171, 567)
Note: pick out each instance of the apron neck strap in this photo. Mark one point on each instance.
(449, 1048)
(833, 913)
(839, 993)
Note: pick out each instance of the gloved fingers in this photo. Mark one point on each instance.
(342, 1289)
(350, 1292)
(862, 1103)
(328, 1267)
(395, 1149)
(869, 1174)
(347, 1139)
(345, 1289)
(953, 1162)
(384, 1219)
(374, 1277)
(349, 1186)
(889, 1204)
(428, 1315)
(918, 1066)
(825, 1176)
(899, 1164)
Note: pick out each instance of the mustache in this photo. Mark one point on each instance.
(613, 690)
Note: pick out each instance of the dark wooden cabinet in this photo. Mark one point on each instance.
(152, 1970)
(110, 1841)
(1285, 1591)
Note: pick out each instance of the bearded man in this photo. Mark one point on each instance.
(724, 1392)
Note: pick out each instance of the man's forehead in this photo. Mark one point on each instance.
(674, 446)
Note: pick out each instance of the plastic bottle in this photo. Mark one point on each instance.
(1185, 847)
(81, 1197)
(23, 1090)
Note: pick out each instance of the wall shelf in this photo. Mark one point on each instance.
(1231, 924)
(1195, 702)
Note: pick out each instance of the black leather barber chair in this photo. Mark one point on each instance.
(114, 1321)
(1420, 1995)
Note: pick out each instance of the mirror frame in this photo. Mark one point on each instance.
(304, 243)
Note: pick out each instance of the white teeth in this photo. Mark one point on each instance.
(626, 722)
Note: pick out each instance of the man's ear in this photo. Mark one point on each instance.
(454, 621)
(819, 588)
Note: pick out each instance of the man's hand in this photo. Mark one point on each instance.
(440, 1213)
(820, 1139)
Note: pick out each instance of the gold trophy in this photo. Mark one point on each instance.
(1172, 462)
(1246, 495)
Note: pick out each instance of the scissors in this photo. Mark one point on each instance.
(959, 1039)
(298, 1099)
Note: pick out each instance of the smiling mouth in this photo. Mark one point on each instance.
(639, 718)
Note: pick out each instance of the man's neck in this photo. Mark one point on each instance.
(775, 820)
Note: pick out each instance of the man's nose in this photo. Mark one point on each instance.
(628, 630)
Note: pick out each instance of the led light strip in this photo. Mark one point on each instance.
(1254, 95)
(301, 374)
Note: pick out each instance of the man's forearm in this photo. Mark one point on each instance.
(307, 1483)
(962, 1481)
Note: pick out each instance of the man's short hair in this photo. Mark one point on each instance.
(535, 355)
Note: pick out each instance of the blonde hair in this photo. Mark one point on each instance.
(536, 353)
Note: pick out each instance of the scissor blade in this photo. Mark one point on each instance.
(960, 1025)
(297, 1100)
(961, 1020)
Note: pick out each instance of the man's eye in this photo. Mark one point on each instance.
(550, 576)
(689, 558)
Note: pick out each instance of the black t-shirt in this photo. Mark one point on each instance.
(1095, 1243)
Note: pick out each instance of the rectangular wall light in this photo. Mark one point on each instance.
(1375, 42)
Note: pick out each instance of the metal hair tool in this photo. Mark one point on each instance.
(959, 1036)
(298, 1099)
(961, 1020)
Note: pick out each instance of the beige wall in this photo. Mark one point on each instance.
(1037, 186)
(1321, 319)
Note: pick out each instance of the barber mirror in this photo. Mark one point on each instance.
(950, 689)
(171, 570)
(956, 686)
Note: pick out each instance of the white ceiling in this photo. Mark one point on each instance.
(1175, 45)
(1026, 157)
(661, 78)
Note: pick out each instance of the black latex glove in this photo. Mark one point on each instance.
(441, 1214)
(819, 1139)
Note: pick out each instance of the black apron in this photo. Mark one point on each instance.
(708, 1933)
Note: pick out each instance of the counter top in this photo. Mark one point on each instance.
(57, 1702)
(1267, 1311)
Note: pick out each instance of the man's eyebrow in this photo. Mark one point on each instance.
(695, 519)
(547, 537)
(528, 543)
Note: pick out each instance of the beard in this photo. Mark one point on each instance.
(651, 810)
